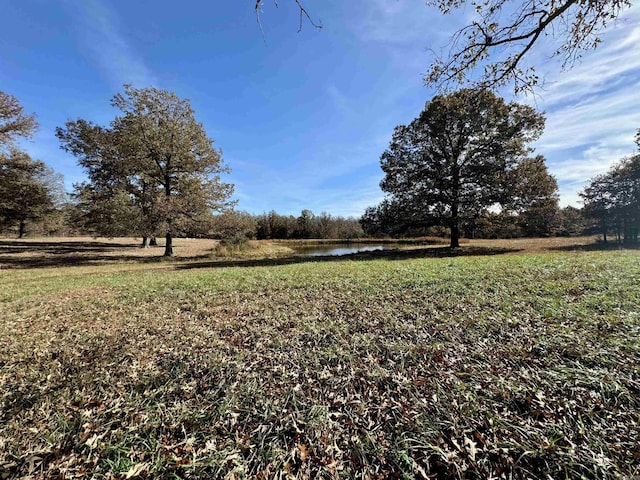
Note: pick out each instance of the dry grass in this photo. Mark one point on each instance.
(536, 245)
(503, 366)
(66, 250)
(251, 249)
(83, 251)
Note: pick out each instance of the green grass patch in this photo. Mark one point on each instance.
(515, 366)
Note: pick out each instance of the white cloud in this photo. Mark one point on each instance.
(103, 42)
(353, 202)
(341, 102)
(407, 32)
(576, 170)
(609, 119)
(409, 24)
(570, 197)
(593, 110)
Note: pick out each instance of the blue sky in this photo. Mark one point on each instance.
(302, 121)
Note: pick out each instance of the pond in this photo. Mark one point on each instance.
(338, 249)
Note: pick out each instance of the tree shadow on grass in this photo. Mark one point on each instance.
(404, 254)
(74, 254)
(596, 247)
(16, 254)
(61, 248)
(81, 260)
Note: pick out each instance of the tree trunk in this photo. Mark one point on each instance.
(22, 229)
(153, 242)
(168, 246)
(455, 224)
(455, 234)
(145, 242)
(455, 227)
(625, 230)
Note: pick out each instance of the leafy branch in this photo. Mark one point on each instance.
(506, 31)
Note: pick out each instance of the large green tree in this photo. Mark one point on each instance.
(118, 199)
(455, 160)
(612, 200)
(156, 155)
(598, 203)
(29, 190)
(535, 198)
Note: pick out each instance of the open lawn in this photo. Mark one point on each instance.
(505, 359)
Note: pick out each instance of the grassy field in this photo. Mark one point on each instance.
(512, 359)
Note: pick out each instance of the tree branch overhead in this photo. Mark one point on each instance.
(496, 43)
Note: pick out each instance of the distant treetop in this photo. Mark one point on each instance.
(13, 122)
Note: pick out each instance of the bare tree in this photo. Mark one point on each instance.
(505, 31)
(304, 14)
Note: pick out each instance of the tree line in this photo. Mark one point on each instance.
(463, 167)
(612, 200)
(237, 226)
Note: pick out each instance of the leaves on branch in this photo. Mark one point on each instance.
(496, 43)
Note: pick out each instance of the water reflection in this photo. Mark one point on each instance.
(336, 250)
